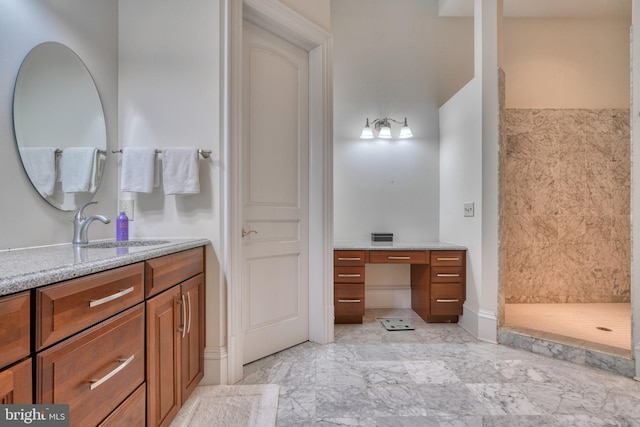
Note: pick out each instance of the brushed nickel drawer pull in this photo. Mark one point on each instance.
(398, 257)
(349, 300)
(182, 328)
(189, 322)
(97, 302)
(123, 364)
(448, 259)
(349, 275)
(448, 275)
(349, 259)
(447, 300)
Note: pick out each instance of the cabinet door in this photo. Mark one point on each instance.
(15, 326)
(192, 342)
(163, 357)
(15, 384)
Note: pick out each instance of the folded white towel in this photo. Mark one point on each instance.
(40, 164)
(181, 173)
(76, 168)
(138, 169)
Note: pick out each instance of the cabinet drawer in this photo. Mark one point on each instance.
(15, 384)
(95, 370)
(399, 257)
(348, 258)
(348, 274)
(132, 412)
(447, 274)
(349, 300)
(15, 327)
(447, 258)
(447, 299)
(169, 270)
(349, 291)
(69, 307)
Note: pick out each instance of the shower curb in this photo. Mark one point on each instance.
(613, 363)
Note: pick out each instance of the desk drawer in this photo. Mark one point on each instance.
(447, 258)
(348, 258)
(95, 370)
(348, 274)
(74, 305)
(399, 257)
(447, 274)
(447, 299)
(349, 300)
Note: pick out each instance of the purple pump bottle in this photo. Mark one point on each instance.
(122, 227)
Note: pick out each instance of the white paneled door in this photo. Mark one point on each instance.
(275, 164)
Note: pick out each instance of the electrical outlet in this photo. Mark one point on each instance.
(468, 209)
(126, 206)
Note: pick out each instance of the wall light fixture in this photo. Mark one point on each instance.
(384, 130)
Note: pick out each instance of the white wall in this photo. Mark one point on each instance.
(461, 182)
(635, 185)
(389, 58)
(89, 28)
(566, 63)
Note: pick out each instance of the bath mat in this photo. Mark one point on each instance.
(230, 405)
(396, 324)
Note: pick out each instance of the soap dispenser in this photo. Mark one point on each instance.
(122, 227)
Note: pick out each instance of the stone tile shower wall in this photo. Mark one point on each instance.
(565, 206)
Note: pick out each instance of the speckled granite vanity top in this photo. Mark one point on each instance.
(27, 268)
(399, 246)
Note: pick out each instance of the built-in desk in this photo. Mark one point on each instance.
(438, 277)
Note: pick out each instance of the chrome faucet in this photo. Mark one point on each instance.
(81, 224)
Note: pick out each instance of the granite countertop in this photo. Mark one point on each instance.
(399, 246)
(22, 269)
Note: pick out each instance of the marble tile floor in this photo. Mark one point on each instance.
(437, 375)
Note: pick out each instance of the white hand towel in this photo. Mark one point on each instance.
(40, 164)
(138, 169)
(76, 168)
(181, 173)
(98, 167)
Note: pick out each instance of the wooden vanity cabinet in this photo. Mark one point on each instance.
(448, 284)
(438, 281)
(348, 287)
(15, 346)
(175, 332)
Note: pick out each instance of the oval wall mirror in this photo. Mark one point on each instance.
(59, 126)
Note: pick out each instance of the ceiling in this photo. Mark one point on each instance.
(546, 8)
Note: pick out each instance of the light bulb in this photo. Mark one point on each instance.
(367, 132)
(385, 132)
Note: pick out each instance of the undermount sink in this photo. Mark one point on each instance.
(123, 244)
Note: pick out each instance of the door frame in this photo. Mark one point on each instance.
(279, 19)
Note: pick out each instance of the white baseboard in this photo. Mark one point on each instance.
(215, 366)
(482, 324)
